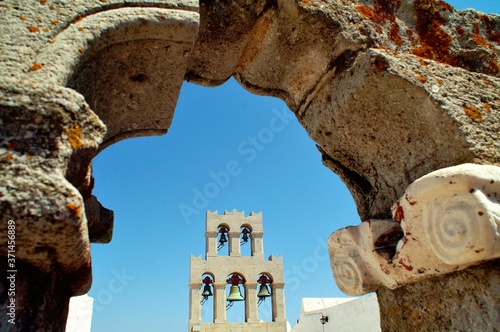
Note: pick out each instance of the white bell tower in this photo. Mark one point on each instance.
(259, 279)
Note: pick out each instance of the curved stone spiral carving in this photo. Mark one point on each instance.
(357, 254)
(450, 219)
(458, 229)
(348, 274)
(460, 212)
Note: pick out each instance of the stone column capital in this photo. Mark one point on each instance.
(211, 233)
(446, 221)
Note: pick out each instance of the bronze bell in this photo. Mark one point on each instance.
(207, 291)
(263, 292)
(223, 238)
(235, 294)
(245, 237)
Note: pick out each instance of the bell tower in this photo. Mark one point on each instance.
(252, 279)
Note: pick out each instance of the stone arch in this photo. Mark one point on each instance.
(279, 49)
(269, 314)
(223, 230)
(246, 246)
(323, 60)
(208, 303)
(241, 315)
(121, 60)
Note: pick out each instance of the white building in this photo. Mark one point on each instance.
(80, 314)
(339, 314)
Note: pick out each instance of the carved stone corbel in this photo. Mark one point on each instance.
(49, 136)
(446, 221)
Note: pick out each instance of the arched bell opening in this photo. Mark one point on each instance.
(246, 242)
(235, 300)
(207, 298)
(265, 297)
(223, 240)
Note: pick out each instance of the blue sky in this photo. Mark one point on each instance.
(153, 185)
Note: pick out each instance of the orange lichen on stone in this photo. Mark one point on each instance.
(478, 40)
(440, 82)
(46, 29)
(434, 41)
(163, 17)
(422, 79)
(475, 35)
(23, 18)
(384, 11)
(422, 62)
(9, 156)
(33, 28)
(487, 107)
(75, 136)
(474, 113)
(493, 34)
(380, 65)
(367, 12)
(411, 35)
(55, 22)
(78, 19)
(74, 209)
(394, 34)
(36, 66)
(11, 145)
(81, 29)
(43, 1)
(475, 28)
(495, 68)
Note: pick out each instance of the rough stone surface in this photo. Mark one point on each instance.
(462, 301)
(407, 66)
(128, 59)
(380, 125)
(49, 136)
(100, 221)
(41, 299)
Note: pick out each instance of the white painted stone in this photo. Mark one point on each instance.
(80, 314)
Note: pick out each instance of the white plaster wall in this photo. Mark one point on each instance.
(351, 314)
(80, 314)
